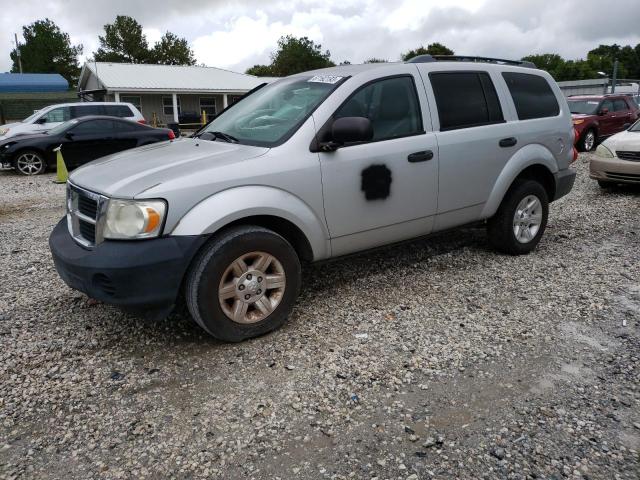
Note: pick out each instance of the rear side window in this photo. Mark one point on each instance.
(531, 95)
(128, 126)
(620, 105)
(86, 110)
(121, 111)
(94, 127)
(465, 99)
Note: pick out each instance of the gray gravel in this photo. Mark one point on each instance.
(435, 359)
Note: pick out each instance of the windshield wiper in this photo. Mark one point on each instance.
(225, 136)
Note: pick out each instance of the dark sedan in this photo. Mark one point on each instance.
(82, 140)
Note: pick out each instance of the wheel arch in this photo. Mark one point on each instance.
(269, 207)
(534, 162)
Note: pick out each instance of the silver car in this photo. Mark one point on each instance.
(316, 165)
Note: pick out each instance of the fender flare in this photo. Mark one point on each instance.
(534, 154)
(231, 205)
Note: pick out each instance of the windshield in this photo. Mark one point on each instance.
(63, 127)
(273, 113)
(587, 107)
(32, 116)
(635, 127)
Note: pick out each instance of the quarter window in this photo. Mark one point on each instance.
(208, 105)
(531, 95)
(465, 99)
(391, 105)
(167, 106)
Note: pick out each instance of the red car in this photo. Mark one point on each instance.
(596, 117)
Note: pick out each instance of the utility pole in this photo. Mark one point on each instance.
(615, 76)
(18, 52)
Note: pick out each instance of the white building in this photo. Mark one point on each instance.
(166, 91)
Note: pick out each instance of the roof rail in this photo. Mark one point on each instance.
(461, 58)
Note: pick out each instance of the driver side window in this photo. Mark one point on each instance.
(56, 115)
(390, 104)
(608, 105)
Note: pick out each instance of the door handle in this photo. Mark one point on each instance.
(420, 156)
(508, 142)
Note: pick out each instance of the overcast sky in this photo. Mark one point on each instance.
(241, 33)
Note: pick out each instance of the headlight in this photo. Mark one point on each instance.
(4, 131)
(132, 219)
(578, 122)
(603, 151)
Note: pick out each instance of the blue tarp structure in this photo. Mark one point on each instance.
(32, 82)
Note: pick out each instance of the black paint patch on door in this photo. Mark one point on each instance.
(376, 182)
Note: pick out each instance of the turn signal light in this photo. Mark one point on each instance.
(172, 135)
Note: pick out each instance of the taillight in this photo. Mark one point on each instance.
(172, 135)
(142, 122)
(576, 136)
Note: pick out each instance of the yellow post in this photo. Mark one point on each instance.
(61, 169)
(154, 120)
(204, 117)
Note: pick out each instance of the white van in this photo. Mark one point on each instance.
(54, 115)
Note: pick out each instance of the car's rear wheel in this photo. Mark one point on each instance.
(29, 162)
(588, 141)
(519, 223)
(243, 283)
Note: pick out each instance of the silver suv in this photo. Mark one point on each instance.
(316, 165)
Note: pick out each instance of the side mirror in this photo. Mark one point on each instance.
(603, 111)
(41, 120)
(349, 130)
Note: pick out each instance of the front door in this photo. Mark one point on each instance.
(384, 190)
(607, 122)
(88, 140)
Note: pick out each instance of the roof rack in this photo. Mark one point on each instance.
(461, 58)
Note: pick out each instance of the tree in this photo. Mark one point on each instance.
(172, 50)
(551, 62)
(123, 42)
(47, 49)
(376, 60)
(432, 49)
(295, 55)
(260, 71)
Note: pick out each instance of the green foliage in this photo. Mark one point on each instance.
(47, 49)
(376, 60)
(294, 55)
(432, 49)
(124, 42)
(172, 50)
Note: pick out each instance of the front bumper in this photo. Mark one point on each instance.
(564, 182)
(614, 170)
(142, 275)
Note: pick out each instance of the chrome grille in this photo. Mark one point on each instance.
(85, 215)
(631, 156)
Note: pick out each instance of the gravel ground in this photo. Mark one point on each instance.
(434, 359)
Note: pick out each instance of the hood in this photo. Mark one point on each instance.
(14, 128)
(129, 173)
(23, 136)
(624, 141)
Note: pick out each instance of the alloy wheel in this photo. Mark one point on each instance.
(252, 287)
(527, 219)
(589, 140)
(30, 163)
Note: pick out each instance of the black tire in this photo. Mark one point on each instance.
(24, 166)
(500, 227)
(606, 185)
(211, 263)
(583, 145)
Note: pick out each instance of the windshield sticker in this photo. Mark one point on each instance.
(332, 79)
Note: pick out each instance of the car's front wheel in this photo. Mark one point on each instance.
(588, 141)
(29, 162)
(519, 223)
(243, 283)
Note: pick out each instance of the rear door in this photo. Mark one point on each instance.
(474, 140)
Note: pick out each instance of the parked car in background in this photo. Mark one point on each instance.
(313, 166)
(617, 159)
(53, 115)
(596, 117)
(82, 140)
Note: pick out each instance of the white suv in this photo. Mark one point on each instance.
(54, 115)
